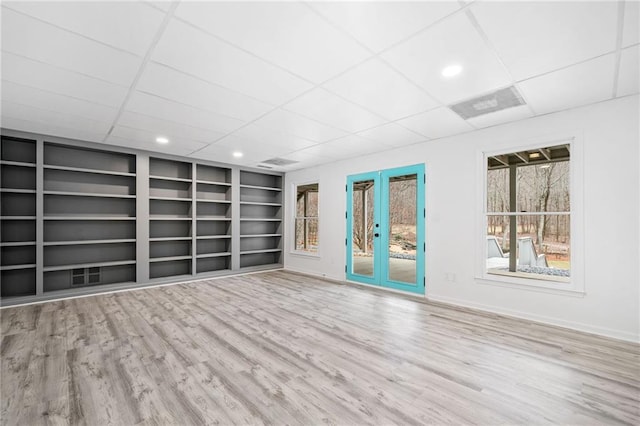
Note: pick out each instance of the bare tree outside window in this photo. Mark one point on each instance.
(306, 221)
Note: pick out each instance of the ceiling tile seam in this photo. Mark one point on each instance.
(189, 126)
(57, 112)
(143, 65)
(199, 141)
(60, 94)
(48, 125)
(110, 46)
(93, 77)
(242, 49)
(372, 52)
(397, 124)
(476, 25)
(618, 58)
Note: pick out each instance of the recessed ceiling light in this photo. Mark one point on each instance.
(162, 140)
(451, 70)
(534, 155)
(237, 154)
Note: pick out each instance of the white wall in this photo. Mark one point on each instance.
(609, 132)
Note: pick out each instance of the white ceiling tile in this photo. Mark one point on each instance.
(574, 86)
(382, 90)
(631, 30)
(128, 26)
(170, 129)
(289, 34)
(160, 4)
(222, 154)
(50, 129)
(534, 37)
(165, 109)
(629, 71)
(393, 135)
(53, 118)
(34, 39)
(320, 151)
(355, 145)
(294, 124)
(378, 25)
(139, 138)
(330, 109)
(308, 156)
(174, 85)
(39, 98)
(36, 74)
(451, 41)
(438, 123)
(194, 52)
(500, 117)
(130, 141)
(278, 140)
(253, 152)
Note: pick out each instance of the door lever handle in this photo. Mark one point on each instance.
(376, 235)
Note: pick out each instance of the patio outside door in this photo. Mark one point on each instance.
(385, 228)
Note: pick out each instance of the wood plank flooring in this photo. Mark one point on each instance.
(282, 348)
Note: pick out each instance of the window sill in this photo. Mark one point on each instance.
(305, 254)
(543, 286)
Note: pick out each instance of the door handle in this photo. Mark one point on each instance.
(376, 235)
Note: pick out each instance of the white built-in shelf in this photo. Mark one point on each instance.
(174, 179)
(201, 200)
(17, 217)
(261, 251)
(88, 265)
(18, 191)
(14, 267)
(206, 255)
(260, 235)
(260, 219)
(161, 217)
(212, 237)
(80, 242)
(171, 239)
(88, 194)
(266, 188)
(18, 244)
(214, 219)
(257, 203)
(89, 218)
(16, 163)
(170, 198)
(209, 182)
(85, 170)
(169, 258)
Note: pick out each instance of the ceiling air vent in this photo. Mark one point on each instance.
(279, 161)
(496, 101)
(262, 166)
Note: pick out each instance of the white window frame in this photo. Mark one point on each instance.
(295, 217)
(575, 285)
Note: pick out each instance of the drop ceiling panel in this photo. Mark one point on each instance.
(438, 123)
(631, 29)
(378, 25)
(353, 145)
(38, 98)
(288, 34)
(194, 52)
(53, 118)
(629, 71)
(171, 129)
(128, 26)
(34, 39)
(276, 139)
(320, 151)
(501, 117)
(138, 138)
(580, 84)
(295, 124)
(174, 85)
(381, 89)
(451, 41)
(36, 74)
(165, 109)
(536, 37)
(50, 129)
(252, 152)
(393, 135)
(330, 109)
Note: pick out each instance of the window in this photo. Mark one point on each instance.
(306, 234)
(528, 214)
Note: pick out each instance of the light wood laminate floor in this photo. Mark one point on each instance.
(282, 348)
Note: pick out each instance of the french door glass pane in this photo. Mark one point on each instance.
(362, 211)
(402, 228)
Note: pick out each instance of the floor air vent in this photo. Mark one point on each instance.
(496, 101)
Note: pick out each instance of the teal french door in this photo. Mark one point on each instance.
(385, 228)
